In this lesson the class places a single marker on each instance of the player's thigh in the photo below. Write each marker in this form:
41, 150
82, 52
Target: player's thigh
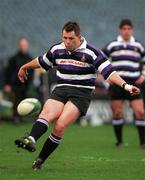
69, 115
117, 108
138, 107
52, 109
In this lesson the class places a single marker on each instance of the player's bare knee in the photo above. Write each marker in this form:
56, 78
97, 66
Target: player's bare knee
117, 113
140, 113
59, 129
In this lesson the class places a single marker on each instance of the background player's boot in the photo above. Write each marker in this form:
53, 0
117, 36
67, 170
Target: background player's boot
37, 164
119, 144
142, 146
25, 143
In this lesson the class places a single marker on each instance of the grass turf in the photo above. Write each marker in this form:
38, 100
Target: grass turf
85, 153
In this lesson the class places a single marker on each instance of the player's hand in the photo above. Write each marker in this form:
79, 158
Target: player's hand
133, 90
140, 80
22, 75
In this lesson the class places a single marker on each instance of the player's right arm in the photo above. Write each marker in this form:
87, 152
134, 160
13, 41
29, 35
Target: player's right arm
45, 62
22, 73
106, 50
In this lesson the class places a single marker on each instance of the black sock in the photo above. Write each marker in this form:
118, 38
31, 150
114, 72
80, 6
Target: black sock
118, 127
49, 146
140, 124
39, 128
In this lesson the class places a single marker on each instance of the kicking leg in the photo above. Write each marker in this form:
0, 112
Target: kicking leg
51, 111
68, 116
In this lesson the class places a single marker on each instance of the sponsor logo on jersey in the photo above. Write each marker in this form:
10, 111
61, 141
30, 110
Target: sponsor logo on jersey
72, 62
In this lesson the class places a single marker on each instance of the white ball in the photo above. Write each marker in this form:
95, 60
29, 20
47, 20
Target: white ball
29, 107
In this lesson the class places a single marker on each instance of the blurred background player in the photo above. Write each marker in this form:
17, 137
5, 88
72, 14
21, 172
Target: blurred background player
76, 63
13, 86
126, 54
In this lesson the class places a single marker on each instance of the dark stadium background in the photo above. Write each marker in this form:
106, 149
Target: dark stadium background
86, 153
41, 20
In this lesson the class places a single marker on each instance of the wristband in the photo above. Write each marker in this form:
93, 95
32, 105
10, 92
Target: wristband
123, 85
128, 87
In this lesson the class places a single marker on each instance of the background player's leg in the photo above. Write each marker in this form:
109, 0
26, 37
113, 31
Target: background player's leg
138, 108
69, 115
117, 109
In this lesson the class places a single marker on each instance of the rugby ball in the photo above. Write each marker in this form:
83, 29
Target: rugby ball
29, 107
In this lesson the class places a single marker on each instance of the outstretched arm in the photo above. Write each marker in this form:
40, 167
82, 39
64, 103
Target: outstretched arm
116, 79
22, 73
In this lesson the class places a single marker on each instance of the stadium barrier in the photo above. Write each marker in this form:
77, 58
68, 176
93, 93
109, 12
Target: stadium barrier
100, 112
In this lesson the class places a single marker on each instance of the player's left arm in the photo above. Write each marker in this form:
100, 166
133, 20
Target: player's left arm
116, 79
105, 68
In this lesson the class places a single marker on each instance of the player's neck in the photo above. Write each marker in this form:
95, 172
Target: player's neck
126, 39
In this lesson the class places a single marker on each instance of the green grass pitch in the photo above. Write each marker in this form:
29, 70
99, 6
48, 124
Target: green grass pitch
86, 153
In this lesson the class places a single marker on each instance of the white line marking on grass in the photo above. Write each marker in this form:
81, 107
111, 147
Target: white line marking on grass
104, 159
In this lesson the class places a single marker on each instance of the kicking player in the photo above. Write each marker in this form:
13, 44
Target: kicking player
76, 63
126, 54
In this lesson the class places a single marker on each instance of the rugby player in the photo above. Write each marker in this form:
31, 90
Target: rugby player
126, 54
76, 62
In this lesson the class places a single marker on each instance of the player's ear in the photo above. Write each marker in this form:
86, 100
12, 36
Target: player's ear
79, 36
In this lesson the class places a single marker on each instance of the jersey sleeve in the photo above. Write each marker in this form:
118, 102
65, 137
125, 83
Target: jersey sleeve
143, 56
47, 60
106, 50
143, 51
103, 65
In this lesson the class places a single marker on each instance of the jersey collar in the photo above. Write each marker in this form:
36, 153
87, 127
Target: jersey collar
82, 46
120, 39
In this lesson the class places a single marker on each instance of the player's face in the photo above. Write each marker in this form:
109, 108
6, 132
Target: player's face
23, 45
126, 32
71, 40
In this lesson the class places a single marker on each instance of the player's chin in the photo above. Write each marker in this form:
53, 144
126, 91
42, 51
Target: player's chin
69, 48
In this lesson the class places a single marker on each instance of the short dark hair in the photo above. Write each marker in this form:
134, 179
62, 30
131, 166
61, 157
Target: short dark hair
125, 22
72, 26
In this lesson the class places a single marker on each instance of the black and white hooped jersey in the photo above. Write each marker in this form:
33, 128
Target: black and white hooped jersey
126, 57
76, 68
